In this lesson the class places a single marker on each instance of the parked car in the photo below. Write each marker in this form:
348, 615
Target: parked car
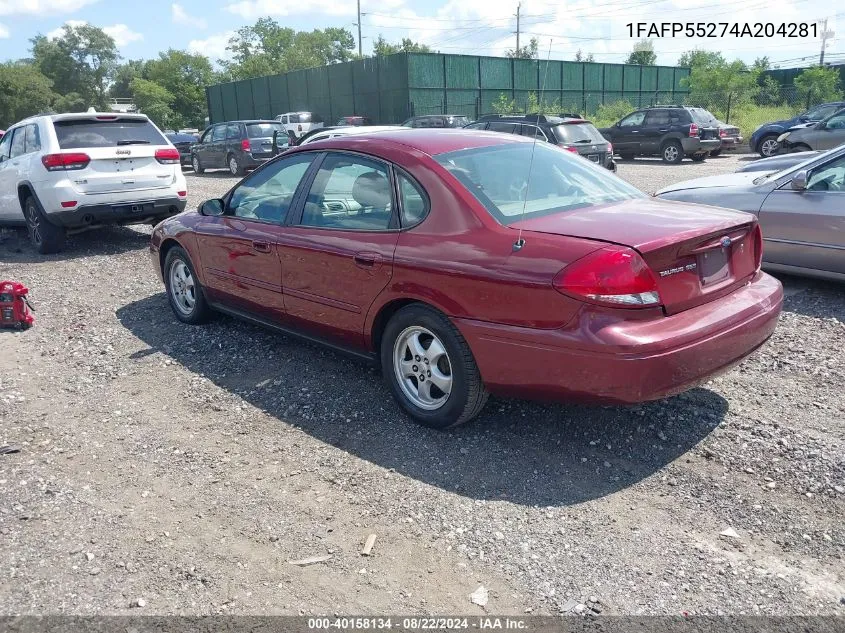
69, 172
469, 262
823, 135
764, 139
574, 135
354, 120
778, 162
236, 145
300, 122
437, 120
183, 142
321, 135
669, 131
801, 210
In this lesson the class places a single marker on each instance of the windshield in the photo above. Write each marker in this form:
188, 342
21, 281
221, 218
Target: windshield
264, 130
578, 133
499, 178
78, 133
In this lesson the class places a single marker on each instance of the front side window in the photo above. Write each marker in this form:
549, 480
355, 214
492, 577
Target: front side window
657, 117
821, 112
219, 133
350, 193
267, 194
633, 120
829, 177
502, 126
836, 122
558, 181
5, 144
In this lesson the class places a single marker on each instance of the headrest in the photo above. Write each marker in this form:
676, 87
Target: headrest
372, 189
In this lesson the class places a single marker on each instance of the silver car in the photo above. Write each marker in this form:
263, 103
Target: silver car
823, 135
801, 210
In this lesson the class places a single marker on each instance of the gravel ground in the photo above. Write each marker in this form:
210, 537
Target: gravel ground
174, 469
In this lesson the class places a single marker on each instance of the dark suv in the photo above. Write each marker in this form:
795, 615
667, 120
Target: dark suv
575, 135
668, 131
236, 145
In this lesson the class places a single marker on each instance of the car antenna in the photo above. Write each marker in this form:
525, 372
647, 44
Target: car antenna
517, 246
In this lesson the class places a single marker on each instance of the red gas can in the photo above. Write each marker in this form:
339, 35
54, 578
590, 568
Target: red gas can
15, 309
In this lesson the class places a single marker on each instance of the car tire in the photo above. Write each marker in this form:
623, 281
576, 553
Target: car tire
716, 152
698, 158
799, 147
768, 145
418, 327
184, 292
672, 152
196, 165
234, 166
46, 237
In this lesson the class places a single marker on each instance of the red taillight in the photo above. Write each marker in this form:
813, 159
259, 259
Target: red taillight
758, 247
614, 275
245, 144
65, 162
167, 156
610, 148
570, 148
693, 129
68, 204
182, 194
722, 133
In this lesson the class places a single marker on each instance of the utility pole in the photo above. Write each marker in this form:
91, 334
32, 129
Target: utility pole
518, 6
825, 35
360, 54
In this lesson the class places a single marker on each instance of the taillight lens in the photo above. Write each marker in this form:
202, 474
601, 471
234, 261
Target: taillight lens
570, 148
65, 162
723, 133
758, 247
167, 156
614, 275
610, 148
693, 130
245, 144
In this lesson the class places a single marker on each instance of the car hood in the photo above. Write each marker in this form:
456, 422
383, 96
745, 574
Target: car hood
740, 179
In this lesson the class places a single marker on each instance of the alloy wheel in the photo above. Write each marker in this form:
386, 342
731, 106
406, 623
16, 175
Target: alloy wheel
769, 147
33, 222
670, 153
233, 166
422, 368
182, 287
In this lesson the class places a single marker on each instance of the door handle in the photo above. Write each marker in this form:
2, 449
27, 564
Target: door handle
367, 260
635, 131
664, 130
261, 247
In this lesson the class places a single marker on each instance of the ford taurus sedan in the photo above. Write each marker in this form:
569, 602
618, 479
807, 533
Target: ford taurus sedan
468, 263
801, 210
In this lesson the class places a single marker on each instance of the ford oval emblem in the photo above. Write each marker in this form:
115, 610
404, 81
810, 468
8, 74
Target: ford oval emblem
726, 241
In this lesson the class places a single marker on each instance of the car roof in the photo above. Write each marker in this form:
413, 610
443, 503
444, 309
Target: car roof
431, 141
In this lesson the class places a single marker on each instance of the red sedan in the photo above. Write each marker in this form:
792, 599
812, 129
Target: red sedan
469, 263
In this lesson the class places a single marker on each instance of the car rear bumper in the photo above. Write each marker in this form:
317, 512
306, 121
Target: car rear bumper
731, 142
135, 212
607, 358
698, 146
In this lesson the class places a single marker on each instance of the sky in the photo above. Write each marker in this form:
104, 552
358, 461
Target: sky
475, 27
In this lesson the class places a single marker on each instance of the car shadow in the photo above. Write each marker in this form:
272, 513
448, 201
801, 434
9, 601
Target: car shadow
110, 240
527, 453
812, 297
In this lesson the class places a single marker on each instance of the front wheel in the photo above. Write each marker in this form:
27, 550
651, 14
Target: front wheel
769, 146
430, 368
47, 238
716, 152
184, 292
196, 165
672, 153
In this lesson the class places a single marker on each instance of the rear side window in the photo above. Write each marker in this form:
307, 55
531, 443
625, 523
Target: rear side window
657, 117
233, 131
477, 126
33, 139
76, 133
18, 143
414, 203
263, 130
578, 133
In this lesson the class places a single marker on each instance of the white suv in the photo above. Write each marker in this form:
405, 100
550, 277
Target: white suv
300, 122
64, 173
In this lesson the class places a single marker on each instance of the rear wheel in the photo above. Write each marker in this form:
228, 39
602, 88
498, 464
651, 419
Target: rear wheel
430, 368
716, 152
672, 152
769, 145
698, 158
47, 238
234, 166
184, 291
196, 165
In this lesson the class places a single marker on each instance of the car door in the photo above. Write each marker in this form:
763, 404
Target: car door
200, 149
655, 125
217, 148
238, 250
338, 255
807, 228
10, 208
827, 134
626, 133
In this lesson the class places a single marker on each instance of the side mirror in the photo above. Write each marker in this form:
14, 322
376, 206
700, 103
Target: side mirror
212, 208
799, 181
803, 118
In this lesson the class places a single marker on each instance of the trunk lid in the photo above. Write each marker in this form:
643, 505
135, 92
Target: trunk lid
696, 253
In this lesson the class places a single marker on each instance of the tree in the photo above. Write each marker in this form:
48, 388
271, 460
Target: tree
267, 48
156, 102
24, 91
382, 47
82, 60
184, 75
715, 82
505, 105
580, 57
643, 54
529, 51
700, 59
123, 76
818, 84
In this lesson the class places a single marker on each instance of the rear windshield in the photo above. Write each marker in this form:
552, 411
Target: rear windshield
511, 185
702, 116
264, 130
306, 117
75, 134
578, 133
